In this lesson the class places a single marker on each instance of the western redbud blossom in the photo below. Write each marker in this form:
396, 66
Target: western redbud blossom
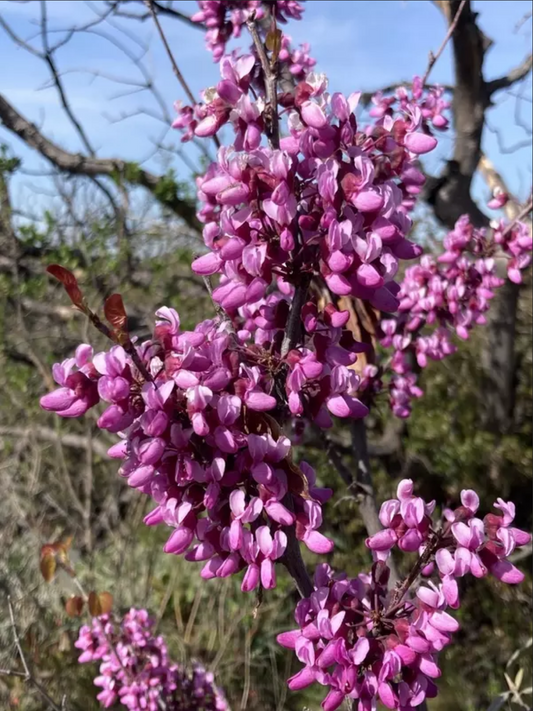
198, 440
370, 644
224, 19
331, 199
499, 199
136, 672
451, 294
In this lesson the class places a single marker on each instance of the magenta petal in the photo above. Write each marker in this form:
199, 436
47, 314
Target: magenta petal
360, 651
179, 540
318, 543
382, 541
236, 297
279, 513
141, 475
387, 696
339, 284
429, 667
259, 401
304, 678
207, 264
338, 406
313, 115
507, 572
444, 622
288, 639
368, 276
229, 566
420, 142
368, 200
268, 574
207, 127
59, 399
251, 580
333, 700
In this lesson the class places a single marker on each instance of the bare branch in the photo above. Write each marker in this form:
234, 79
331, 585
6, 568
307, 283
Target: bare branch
151, 6
27, 676
514, 76
433, 58
171, 12
77, 164
46, 434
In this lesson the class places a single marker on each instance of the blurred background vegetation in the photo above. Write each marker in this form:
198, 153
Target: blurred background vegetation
56, 481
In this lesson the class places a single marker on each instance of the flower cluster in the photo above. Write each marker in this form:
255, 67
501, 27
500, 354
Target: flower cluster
431, 103
197, 438
478, 546
328, 200
365, 642
450, 293
136, 672
516, 241
224, 19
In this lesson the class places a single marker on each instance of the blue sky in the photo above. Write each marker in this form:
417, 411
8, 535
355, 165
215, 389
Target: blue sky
358, 44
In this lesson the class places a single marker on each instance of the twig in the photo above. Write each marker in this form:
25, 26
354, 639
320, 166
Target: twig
176, 69
367, 500
27, 675
523, 213
171, 12
433, 58
48, 58
271, 80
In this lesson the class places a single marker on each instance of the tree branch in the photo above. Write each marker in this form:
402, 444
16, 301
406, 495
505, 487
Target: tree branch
433, 58
90, 166
47, 434
515, 75
27, 675
171, 12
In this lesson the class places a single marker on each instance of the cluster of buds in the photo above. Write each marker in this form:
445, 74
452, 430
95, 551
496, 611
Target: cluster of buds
135, 669
369, 643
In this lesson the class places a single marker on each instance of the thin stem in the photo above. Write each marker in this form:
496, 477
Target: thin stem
433, 58
367, 498
27, 675
271, 80
423, 560
175, 67
523, 213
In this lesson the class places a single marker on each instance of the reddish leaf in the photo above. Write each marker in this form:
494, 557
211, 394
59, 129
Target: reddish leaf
106, 602
115, 313
48, 563
95, 606
70, 283
74, 606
